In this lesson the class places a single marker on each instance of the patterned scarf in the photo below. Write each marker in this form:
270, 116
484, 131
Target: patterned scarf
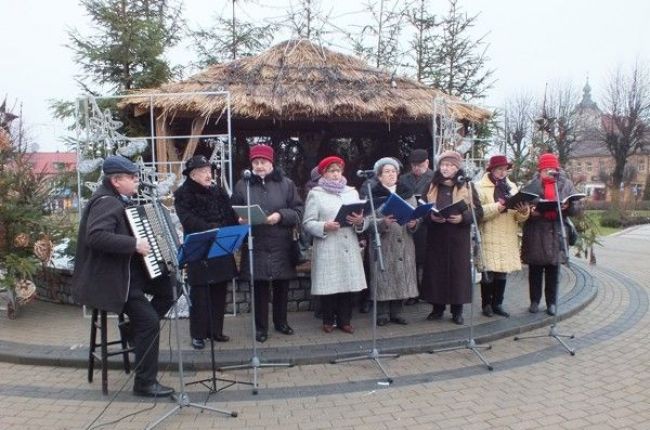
334, 187
501, 189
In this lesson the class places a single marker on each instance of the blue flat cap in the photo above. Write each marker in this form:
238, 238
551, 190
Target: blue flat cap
119, 164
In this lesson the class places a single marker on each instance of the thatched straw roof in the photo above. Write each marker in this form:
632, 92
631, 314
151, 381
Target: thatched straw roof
300, 80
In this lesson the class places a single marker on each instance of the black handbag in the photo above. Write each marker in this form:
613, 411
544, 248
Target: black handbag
299, 250
571, 231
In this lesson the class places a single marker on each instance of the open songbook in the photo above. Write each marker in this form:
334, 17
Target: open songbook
402, 210
359, 206
543, 205
453, 209
258, 216
520, 197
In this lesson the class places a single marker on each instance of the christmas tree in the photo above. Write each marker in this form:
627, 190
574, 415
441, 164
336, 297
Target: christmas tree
26, 231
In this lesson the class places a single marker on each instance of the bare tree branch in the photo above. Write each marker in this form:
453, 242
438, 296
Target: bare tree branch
625, 124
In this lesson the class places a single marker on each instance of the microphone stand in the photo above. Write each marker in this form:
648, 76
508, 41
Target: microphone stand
553, 330
255, 361
373, 354
470, 343
182, 398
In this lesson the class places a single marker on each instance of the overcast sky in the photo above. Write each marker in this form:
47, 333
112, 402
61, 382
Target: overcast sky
531, 42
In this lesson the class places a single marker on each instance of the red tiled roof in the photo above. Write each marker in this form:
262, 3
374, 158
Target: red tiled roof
49, 163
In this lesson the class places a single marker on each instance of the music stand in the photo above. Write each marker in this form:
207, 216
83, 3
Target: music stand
182, 398
203, 246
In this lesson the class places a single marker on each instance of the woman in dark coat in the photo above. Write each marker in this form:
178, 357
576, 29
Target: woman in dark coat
542, 247
272, 242
202, 206
447, 276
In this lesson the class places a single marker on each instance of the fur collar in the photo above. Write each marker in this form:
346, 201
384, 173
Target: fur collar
402, 190
275, 176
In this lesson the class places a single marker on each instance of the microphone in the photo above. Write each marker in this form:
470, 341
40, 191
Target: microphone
365, 173
461, 179
246, 174
553, 173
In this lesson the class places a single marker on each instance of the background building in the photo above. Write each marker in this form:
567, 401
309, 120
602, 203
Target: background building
591, 164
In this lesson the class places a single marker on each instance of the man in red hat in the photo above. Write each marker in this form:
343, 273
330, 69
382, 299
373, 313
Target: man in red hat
499, 233
272, 252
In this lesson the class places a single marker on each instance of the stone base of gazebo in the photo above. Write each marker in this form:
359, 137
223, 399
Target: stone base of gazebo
55, 285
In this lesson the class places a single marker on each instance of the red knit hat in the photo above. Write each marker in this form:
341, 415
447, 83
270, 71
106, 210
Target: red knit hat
332, 159
548, 161
497, 161
261, 151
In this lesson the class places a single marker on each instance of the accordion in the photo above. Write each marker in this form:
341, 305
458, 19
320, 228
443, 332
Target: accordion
145, 224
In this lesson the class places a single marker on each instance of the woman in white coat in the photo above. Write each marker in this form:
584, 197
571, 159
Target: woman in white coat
336, 265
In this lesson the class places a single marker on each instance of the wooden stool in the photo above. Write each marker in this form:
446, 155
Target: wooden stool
104, 344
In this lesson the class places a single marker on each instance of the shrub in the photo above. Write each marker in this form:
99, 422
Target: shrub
635, 220
611, 218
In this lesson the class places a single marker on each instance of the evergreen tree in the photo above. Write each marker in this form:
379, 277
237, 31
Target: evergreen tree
459, 62
307, 20
379, 42
424, 39
230, 38
127, 49
26, 233
124, 52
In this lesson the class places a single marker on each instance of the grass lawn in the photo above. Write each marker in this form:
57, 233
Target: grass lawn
606, 231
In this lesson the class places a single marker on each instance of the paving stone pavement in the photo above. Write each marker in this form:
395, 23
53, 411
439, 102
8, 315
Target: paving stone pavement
535, 382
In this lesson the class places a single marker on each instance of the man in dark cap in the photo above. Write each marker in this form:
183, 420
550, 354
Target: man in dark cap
110, 275
418, 179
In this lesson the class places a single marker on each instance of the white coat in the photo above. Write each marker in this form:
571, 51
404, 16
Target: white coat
336, 264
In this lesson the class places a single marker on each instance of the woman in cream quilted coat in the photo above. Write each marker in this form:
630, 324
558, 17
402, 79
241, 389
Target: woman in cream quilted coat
499, 233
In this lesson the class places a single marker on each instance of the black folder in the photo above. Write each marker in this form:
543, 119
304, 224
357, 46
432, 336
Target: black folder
453, 209
355, 207
520, 197
543, 205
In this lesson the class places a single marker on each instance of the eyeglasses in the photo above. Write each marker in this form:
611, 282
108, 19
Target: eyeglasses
334, 170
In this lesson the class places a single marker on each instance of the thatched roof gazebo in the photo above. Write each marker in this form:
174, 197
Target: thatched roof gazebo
297, 88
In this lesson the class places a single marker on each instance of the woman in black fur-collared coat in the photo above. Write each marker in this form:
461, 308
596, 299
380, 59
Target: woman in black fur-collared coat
272, 257
202, 206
